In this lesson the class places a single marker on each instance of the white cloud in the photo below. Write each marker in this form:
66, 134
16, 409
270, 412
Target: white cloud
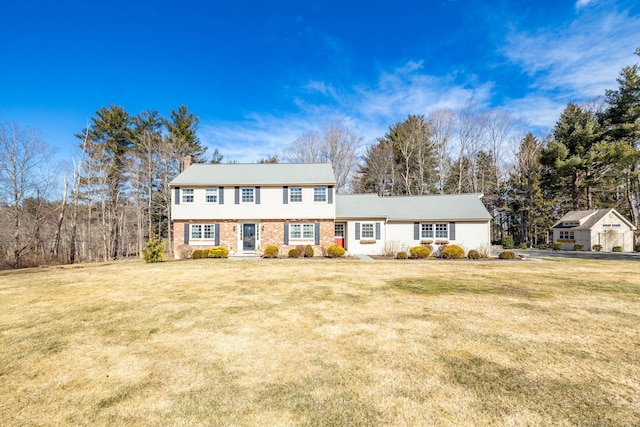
584, 3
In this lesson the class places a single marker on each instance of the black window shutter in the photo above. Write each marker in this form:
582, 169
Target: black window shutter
177, 196
186, 234
317, 234
330, 195
221, 195
217, 232
416, 231
237, 191
377, 231
452, 231
357, 231
286, 233
285, 195
257, 195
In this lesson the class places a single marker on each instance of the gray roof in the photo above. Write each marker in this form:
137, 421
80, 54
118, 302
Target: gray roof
256, 174
590, 218
446, 207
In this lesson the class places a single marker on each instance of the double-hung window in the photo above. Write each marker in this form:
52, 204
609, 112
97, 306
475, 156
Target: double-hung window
301, 232
295, 195
187, 195
203, 232
209, 232
196, 231
320, 195
247, 195
211, 195
442, 231
426, 231
567, 235
367, 231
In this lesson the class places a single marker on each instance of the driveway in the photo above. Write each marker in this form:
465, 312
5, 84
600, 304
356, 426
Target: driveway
611, 256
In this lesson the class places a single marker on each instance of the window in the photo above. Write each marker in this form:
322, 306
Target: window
187, 195
203, 231
566, 235
426, 231
339, 231
320, 195
367, 231
211, 195
442, 231
295, 195
247, 195
302, 232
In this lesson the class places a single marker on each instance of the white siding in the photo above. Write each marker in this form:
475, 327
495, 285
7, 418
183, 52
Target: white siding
271, 206
354, 246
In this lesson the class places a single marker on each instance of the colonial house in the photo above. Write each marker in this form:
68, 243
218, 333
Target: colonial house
245, 207
603, 227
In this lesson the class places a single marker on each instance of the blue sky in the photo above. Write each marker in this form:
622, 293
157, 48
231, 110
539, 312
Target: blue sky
259, 74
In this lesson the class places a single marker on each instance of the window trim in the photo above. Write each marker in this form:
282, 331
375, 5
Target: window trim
202, 231
423, 229
215, 195
187, 193
436, 230
335, 230
298, 191
364, 225
302, 227
323, 191
566, 235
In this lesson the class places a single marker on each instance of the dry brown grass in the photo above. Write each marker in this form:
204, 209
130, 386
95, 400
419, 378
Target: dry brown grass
321, 342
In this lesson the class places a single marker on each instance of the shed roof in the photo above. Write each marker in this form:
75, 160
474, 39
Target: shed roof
256, 174
445, 207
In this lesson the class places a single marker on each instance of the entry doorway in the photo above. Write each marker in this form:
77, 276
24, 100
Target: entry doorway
248, 237
339, 233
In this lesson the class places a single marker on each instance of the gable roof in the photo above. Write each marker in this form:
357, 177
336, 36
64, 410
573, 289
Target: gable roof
256, 174
588, 219
441, 207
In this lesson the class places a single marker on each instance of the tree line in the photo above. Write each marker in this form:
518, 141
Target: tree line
117, 196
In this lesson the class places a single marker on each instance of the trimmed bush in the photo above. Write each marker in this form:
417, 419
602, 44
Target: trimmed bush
402, 255
308, 251
294, 253
507, 255
335, 251
218, 252
197, 254
596, 248
419, 252
543, 246
556, 246
271, 251
616, 249
507, 242
453, 252
473, 254
153, 250
522, 246
636, 247
578, 248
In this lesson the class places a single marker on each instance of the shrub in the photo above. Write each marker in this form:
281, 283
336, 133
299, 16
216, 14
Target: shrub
507, 255
271, 251
522, 246
543, 246
578, 248
636, 247
473, 254
218, 252
596, 248
308, 251
507, 242
294, 253
453, 252
402, 255
616, 249
183, 251
556, 246
153, 250
484, 251
335, 251
391, 247
197, 254
419, 252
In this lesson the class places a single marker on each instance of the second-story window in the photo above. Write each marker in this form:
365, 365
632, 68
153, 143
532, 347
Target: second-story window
247, 195
320, 195
295, 195
187, 195
211, 195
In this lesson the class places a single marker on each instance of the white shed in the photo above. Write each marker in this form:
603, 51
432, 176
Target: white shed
604, 227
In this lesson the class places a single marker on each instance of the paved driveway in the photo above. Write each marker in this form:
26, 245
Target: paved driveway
619, 256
